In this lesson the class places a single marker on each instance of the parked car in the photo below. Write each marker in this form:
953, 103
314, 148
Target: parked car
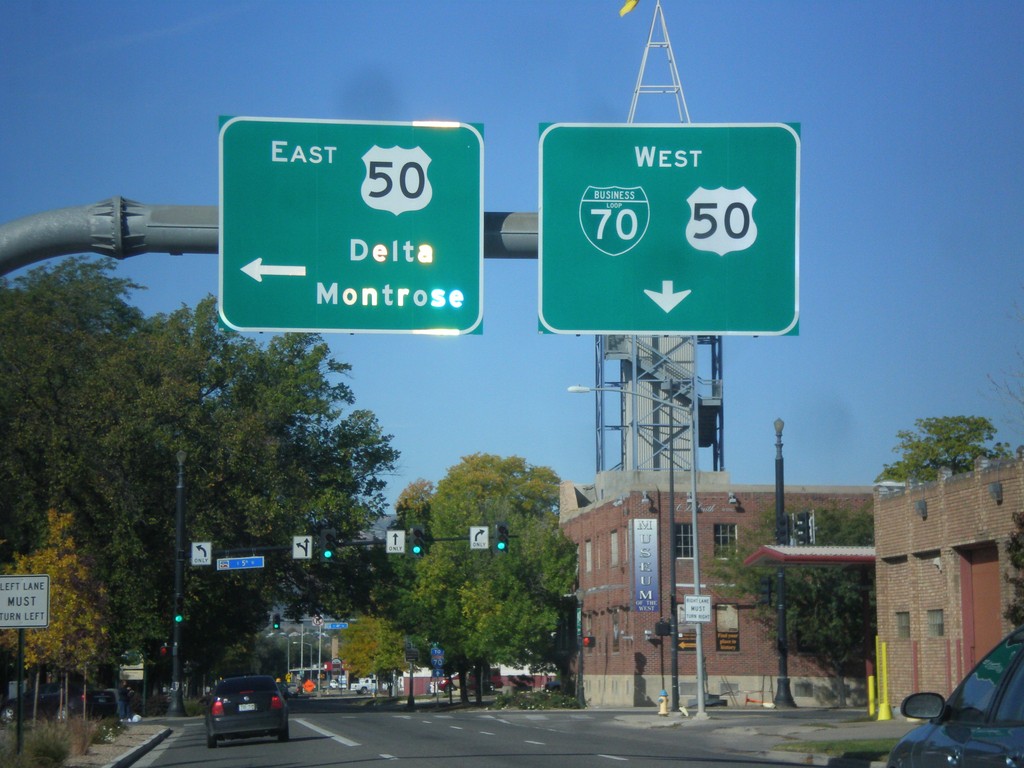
244, 707
98, 702
446, 684
980, 724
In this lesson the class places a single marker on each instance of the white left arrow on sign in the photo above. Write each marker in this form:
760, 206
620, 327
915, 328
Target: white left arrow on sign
256, 269
667, 298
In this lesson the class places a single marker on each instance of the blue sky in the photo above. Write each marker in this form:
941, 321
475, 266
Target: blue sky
912, 180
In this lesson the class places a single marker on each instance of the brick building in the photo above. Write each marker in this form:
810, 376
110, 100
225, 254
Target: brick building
620, 526
941, 572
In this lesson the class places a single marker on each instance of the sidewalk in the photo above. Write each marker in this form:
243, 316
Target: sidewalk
135, 741
758, 732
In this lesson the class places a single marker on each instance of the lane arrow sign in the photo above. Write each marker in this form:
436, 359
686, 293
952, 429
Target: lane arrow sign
667, 298
256, 269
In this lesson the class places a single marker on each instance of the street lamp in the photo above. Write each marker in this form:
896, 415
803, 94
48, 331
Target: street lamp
176, 706
783, 696
673, 616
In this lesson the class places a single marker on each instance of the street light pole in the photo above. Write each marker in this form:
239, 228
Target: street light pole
783, 696
176, 706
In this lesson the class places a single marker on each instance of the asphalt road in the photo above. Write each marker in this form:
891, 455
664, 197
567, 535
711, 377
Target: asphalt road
335, 733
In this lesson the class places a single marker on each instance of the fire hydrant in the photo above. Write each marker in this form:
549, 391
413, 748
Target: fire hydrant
663, 704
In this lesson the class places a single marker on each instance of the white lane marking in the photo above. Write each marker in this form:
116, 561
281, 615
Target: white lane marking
329, 734
538, 743
614, 757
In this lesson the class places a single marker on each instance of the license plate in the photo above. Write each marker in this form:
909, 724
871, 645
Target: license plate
247, 707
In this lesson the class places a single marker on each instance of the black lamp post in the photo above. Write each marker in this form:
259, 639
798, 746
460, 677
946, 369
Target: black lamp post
783, 696
176, 706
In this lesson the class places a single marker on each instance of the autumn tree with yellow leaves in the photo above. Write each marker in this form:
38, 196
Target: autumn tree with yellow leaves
76, 639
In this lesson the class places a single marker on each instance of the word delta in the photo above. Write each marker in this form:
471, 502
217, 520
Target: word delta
358, 250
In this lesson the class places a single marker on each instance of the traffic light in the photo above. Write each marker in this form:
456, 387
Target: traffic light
589, 641
419, 541
165, 651
766, 591
277, 621
501, 536
328, 541
782, 530
179, 609
802, 528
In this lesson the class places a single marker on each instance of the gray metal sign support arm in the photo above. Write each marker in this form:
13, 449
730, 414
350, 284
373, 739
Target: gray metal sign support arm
121, 228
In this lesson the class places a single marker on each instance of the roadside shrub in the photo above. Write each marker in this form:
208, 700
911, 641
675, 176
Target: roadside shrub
80, 734
107, 730
534, 700
195, 707
47, 745
156, 705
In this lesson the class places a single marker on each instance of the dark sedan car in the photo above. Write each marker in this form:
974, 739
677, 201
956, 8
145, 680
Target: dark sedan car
980, 724
242, 707
56, 701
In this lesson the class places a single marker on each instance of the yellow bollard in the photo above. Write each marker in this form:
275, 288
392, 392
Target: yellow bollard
884, 710
871, 695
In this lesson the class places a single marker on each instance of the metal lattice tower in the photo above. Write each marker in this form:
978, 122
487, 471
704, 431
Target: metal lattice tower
675, 88
661, 367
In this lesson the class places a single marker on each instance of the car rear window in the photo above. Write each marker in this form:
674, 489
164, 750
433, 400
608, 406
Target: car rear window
239, 684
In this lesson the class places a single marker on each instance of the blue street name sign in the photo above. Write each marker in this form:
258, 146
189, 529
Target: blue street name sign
336, 625
239, 563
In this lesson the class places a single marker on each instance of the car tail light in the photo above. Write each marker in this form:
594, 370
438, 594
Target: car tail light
217, 708
275, 702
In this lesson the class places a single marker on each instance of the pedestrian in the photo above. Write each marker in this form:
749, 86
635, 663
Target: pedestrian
124, 702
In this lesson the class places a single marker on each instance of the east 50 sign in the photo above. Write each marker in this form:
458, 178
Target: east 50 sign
674, 229
351, 226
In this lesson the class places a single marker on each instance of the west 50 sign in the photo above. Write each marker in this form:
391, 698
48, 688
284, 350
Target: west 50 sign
674, 229
351, 226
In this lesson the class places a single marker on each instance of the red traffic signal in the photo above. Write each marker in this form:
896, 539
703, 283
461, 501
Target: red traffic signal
589, 641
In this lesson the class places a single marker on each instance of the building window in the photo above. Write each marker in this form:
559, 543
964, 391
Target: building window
725, 539
684, 540
615, 548
903, 624
615, 632
588, 558
936, 623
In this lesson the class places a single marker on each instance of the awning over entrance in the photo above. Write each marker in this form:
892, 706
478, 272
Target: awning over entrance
805, 557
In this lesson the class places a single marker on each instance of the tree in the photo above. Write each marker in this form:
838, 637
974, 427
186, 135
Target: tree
372, 646
830, 610
486, 607
95, 402
950, 442
76, 638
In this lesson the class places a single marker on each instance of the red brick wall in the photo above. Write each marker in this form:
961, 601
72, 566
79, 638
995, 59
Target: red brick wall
924, 563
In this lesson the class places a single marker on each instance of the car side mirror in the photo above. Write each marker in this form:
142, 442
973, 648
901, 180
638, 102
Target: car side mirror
923, 706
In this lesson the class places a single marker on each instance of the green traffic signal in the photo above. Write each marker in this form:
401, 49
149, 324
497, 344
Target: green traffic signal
419, 541
328, 540
179, 609
501, 537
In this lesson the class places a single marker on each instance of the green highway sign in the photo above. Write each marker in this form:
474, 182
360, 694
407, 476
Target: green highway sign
669, 229
329, 225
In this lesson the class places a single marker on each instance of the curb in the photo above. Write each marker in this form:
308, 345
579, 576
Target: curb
136, 752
